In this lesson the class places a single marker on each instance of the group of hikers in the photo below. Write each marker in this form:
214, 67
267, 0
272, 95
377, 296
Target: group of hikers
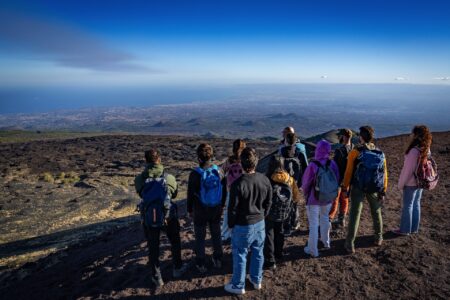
259, 210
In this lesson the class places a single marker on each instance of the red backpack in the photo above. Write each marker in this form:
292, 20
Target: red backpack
426, 173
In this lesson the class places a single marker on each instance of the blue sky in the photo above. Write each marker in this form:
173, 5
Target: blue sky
159, 43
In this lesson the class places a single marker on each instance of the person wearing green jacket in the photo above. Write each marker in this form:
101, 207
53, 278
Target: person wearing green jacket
155, 170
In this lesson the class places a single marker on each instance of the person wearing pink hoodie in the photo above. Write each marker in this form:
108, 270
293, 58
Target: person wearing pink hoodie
318, 210
418, 149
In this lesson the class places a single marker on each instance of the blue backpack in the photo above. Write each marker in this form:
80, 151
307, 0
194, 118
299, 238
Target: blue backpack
211, 187
369, 174
326, 185
154, 195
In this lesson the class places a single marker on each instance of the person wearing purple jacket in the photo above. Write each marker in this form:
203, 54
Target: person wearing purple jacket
318, 211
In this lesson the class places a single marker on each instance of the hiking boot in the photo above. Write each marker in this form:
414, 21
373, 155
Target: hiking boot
201, 269
287, 232
378, 242
271, 266
158, 282
217, 263
230, 288
256, 286
341, 221
178, 272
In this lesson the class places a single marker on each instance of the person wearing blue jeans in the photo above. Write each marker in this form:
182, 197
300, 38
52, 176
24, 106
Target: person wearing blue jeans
417, 150
244, 238
410, 219
250, 201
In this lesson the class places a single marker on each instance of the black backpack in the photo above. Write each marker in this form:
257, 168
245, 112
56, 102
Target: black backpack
293, 166
281, 202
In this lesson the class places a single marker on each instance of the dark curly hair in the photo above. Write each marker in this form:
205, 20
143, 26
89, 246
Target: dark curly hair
152, 156
422, 139
204, 153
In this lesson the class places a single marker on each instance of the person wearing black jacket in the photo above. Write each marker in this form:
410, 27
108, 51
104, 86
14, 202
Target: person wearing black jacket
340, 157
250, 201
203, 215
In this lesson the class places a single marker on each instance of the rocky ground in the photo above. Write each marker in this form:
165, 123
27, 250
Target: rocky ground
79, 238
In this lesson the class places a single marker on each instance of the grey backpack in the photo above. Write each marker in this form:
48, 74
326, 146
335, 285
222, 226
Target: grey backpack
326, 185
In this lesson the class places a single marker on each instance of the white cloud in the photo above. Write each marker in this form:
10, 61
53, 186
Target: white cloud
324, 76
400, 78
442, 78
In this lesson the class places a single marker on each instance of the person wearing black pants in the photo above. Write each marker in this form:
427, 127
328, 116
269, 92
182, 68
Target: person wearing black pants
273, 248
171, 225
205, 216
172, 230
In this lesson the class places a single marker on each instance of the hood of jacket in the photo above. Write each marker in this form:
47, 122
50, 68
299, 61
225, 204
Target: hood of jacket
281, 177
155, 170
323, 150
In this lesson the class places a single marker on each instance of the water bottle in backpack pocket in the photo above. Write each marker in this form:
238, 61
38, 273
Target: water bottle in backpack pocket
370, 171
281, 202
154, 194
326, 185
210, 186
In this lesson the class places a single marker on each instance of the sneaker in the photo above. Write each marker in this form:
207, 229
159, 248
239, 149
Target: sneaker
256, 286
158, 282
349, 249
398, 232
177, 273
378, 242
201, 269
230, 288
217, 263
308, 252
297, 226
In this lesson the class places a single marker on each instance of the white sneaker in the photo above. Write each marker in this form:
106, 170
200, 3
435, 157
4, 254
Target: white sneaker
233, 290
256, 286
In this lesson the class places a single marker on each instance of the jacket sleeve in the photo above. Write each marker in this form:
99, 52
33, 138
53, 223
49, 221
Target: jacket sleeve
193, 190
385, 176
172, 186
268, 201
139, 181
307, 181
232, 205
224, 190
295, 191
409, 167
350, 168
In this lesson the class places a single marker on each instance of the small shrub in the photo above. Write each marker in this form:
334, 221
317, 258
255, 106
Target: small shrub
47, 177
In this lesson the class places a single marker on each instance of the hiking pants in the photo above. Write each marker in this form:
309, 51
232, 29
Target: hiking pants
342, 202
209, 217
225, 230
356, 204
318, 218
273, 245
152, 235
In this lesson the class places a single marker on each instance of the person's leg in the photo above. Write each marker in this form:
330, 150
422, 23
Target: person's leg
269, 246
325, 225
173, 234
375, 210
343, 206
225, 231
153, 238
416, 211
407, 209
334, 207
257, 257
278, 237
240, 244
356, 204
214, 229
313, 220
200, 234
